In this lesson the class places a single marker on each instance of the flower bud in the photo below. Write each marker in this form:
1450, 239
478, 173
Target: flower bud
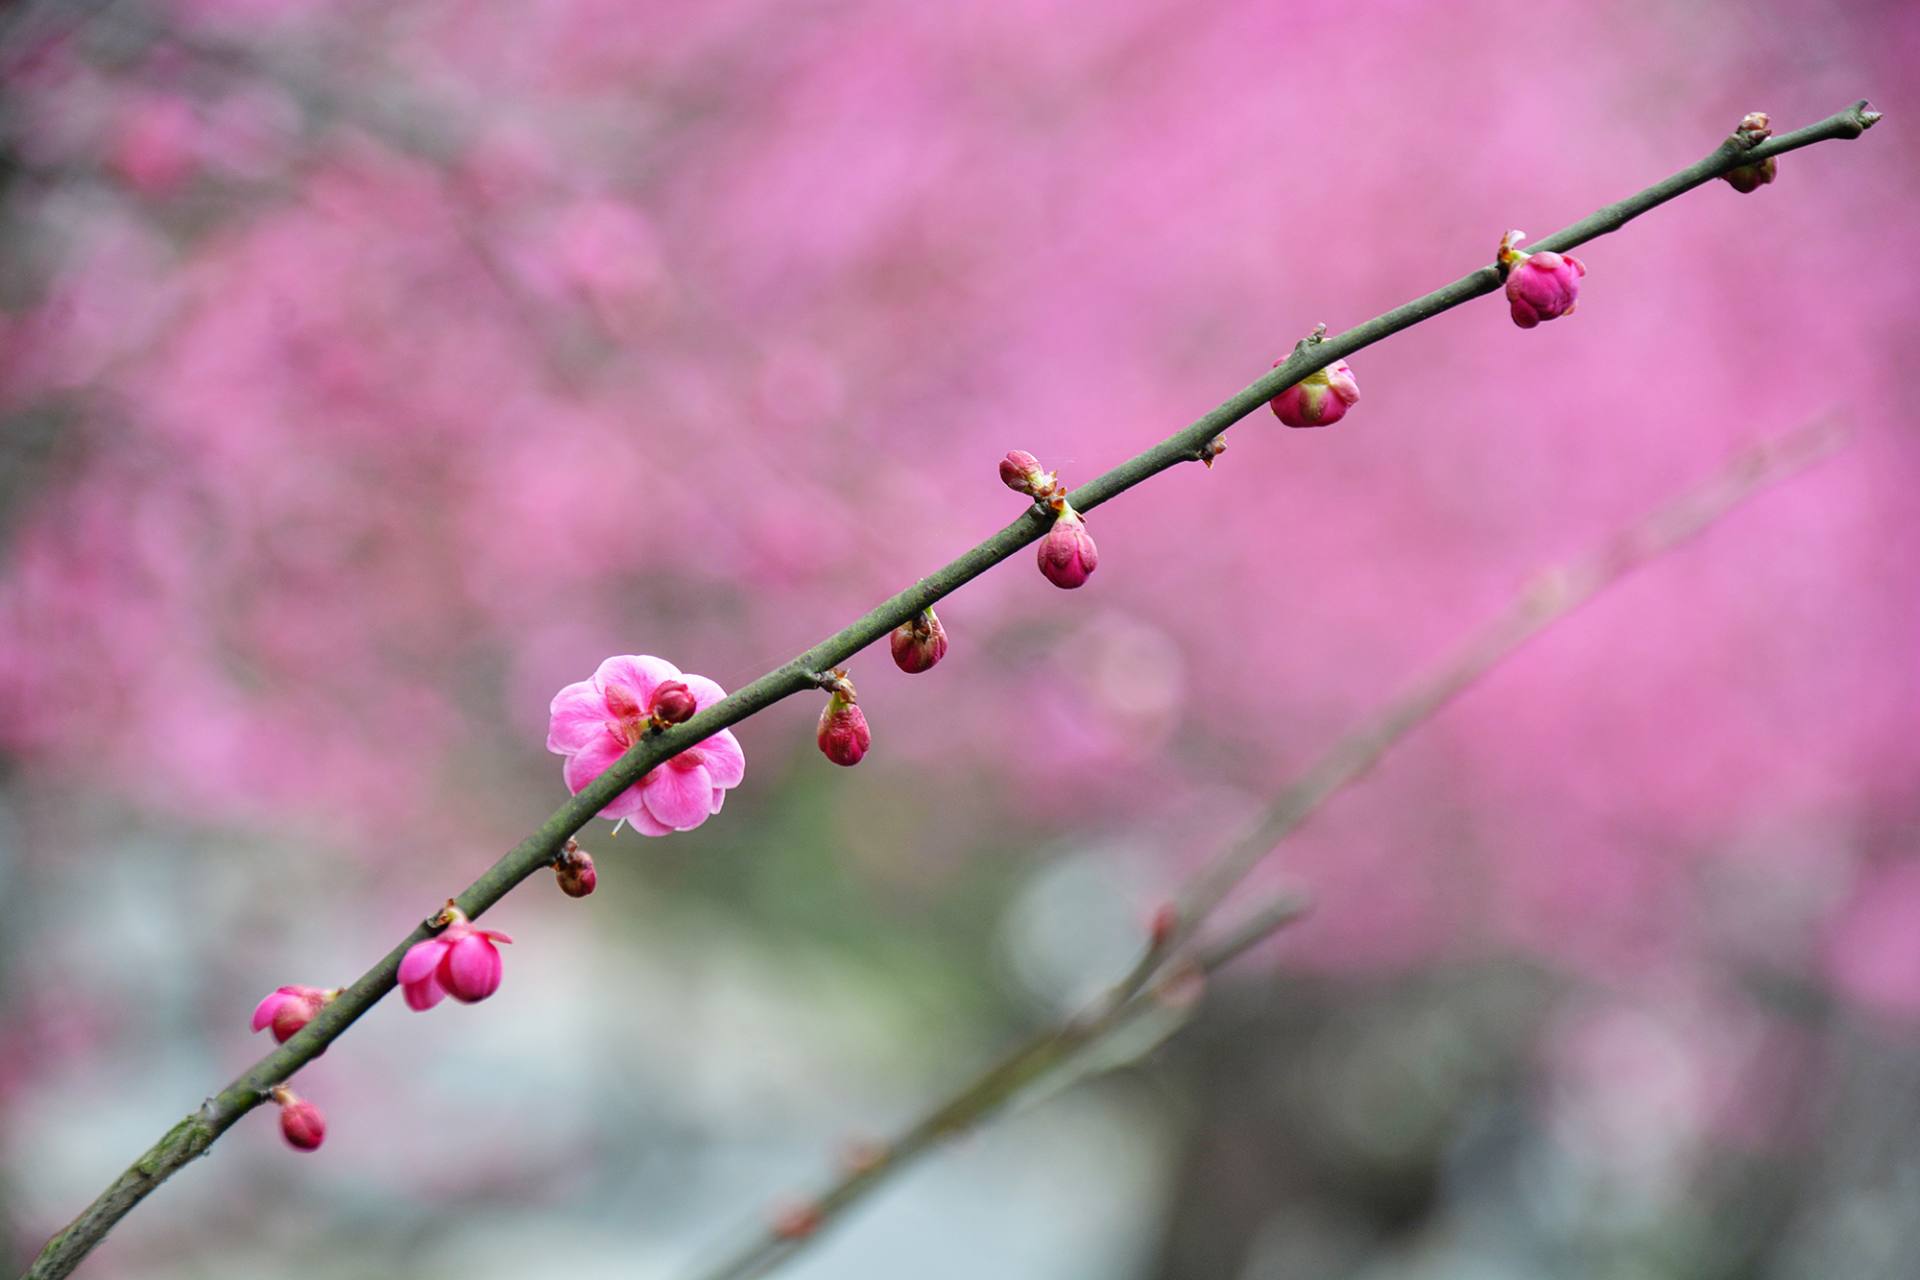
843, 734
461, 961
1755, 128
1067, 554
672, 703
1540, 286
288, 1009
574, 870
797, 1221
1749, 178
1021, 472
1320, 399
919, 642
301, 1123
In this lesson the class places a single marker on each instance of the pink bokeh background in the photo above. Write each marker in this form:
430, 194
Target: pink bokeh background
374, 371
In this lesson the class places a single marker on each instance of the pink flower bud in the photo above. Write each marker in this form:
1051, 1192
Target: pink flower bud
288, 1009
461, 962
673, 703
301, 1123
1067, 554
1540, 286
843, 734
1021, 472
919, 643
574, 870
1320, 399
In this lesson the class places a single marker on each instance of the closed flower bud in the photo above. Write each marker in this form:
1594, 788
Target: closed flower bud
1067, 554
301, 1123
919, 643
1755, 128
672, 703
574, 870
1320, 399
843, 734
1749, 178
1540, 286
288, 1009
1021, 472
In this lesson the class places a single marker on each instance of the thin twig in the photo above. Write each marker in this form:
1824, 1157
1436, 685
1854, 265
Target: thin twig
1551, 596
192, 1136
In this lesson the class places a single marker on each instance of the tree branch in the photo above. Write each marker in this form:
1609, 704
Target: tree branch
192, 1136
1551, 596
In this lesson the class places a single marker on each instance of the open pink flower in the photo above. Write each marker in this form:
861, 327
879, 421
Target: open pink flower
595, 721
461, 961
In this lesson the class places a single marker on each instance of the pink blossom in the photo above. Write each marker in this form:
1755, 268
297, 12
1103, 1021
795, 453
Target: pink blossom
302, 1124
919, 642
1540, 286
288, 1009
1320, 399
1067, 554
461, 961
595, 721
843, 734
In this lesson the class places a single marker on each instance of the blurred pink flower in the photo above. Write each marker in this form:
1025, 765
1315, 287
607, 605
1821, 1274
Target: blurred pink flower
288, 1009
1320, 399
461, 962
595, 721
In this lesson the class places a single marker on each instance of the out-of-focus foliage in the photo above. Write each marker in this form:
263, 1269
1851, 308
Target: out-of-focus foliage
372, 371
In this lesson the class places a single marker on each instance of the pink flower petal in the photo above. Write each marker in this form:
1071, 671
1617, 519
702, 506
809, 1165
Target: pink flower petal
264, 1011
421, 960
642, 821
424, 994
496, 934
591, 761
719, 798
726, 763
471, 970
637, 673
578, 716
681, 798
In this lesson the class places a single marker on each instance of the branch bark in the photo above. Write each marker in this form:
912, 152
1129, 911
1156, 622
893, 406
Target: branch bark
196, 1133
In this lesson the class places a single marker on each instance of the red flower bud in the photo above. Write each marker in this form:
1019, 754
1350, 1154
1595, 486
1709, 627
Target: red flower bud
1067, 554
919, 643
672, 703
843, 735
574, 870
301, 1123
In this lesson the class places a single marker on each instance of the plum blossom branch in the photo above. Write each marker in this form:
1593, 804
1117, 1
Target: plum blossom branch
1173, 958
193, 1135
